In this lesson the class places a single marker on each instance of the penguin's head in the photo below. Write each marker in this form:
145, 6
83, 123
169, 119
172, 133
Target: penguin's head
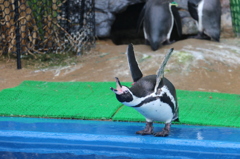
123, 93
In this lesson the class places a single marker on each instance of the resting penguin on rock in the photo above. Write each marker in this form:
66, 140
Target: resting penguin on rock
207, 14
161, 22
153, 96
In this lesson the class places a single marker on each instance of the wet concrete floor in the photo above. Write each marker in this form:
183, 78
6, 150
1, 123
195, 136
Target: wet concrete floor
197, 65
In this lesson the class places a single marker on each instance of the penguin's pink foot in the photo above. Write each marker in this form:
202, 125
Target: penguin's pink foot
165, 132
148, 129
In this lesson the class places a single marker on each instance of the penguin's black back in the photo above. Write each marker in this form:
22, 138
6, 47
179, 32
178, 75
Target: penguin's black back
146, 85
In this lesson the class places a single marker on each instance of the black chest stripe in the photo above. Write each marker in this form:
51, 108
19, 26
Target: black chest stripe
147, 100
164, 99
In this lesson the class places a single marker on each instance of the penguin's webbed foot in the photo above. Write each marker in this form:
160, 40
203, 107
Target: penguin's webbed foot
148, 129
165, 132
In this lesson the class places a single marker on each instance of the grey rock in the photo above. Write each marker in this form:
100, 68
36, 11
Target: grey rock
103, 30
188, 23
116, 6
189, 26
103, 23
184, 13
101, 5
101, 17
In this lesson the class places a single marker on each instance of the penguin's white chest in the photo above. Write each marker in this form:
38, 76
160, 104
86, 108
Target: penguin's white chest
156, 111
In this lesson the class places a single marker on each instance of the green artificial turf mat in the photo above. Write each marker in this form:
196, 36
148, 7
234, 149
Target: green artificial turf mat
94, 100
82, 100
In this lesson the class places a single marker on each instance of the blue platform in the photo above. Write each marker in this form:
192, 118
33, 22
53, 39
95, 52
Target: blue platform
108, 139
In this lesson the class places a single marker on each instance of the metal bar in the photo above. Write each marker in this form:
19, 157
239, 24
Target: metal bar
82, 12
18, 36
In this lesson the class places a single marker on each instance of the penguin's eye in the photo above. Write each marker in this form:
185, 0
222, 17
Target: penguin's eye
125, 92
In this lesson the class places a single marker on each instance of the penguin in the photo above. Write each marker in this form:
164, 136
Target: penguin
207, 14
153, 96
161, 23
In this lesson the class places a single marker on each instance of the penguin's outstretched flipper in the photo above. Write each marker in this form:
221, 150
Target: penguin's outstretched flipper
133, 65
193, 8
160, 72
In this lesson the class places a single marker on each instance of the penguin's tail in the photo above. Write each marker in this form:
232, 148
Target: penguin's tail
176, 120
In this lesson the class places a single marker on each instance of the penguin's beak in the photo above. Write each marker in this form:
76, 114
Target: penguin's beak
119, 86
118, 90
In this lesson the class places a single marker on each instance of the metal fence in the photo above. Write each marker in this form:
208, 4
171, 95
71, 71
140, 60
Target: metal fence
30, 27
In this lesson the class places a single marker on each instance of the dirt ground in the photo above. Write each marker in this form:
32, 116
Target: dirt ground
195, 65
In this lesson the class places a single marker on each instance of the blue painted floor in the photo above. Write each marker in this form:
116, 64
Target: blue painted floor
106, 139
